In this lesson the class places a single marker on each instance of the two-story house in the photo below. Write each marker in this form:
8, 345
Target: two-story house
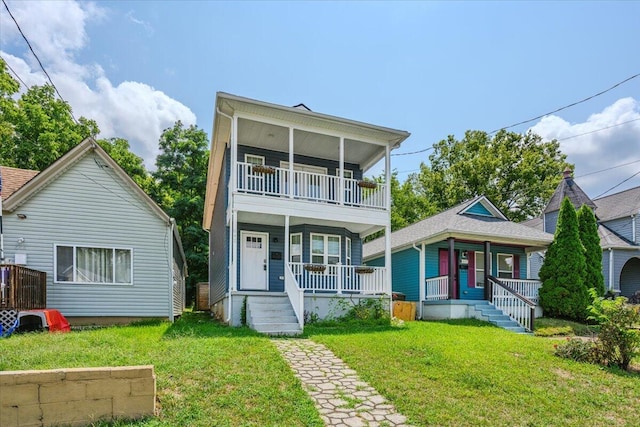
618, 227
287, 208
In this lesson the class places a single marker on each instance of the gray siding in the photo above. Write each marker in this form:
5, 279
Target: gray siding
273, 158
535, 263
219, 240
91, 206
622, 227
630, 276
277, 242
551, 221
620, 259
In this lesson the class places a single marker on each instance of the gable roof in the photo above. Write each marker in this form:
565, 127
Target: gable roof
458, 223
14, 178
25, 189
568, 188
619, 205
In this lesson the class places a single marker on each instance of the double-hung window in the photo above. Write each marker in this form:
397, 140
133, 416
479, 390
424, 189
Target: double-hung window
479, 268
295, 247
505, 266
325, 249
83, 264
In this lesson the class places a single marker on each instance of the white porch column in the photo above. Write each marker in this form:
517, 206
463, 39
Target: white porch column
234, 250
423, 276
387, 230
234, 154
286, 243
387, 264
611, 272
387, 178
291, 178
341, 179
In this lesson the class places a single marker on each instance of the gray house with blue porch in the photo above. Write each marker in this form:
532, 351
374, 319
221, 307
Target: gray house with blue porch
287, 208
453, 264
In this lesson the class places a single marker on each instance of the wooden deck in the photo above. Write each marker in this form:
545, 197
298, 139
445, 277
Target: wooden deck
22, 288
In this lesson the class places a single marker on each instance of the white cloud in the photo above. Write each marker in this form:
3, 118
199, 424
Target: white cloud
56, 30
146, 25
606, 139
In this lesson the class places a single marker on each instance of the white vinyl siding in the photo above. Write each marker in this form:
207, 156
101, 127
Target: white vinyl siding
88, 204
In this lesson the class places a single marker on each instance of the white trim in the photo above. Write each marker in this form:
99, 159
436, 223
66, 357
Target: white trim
348, 251
498, 271
325, 255
74, 264
170, 249
486, 203
291, 235
265, 236
247, 155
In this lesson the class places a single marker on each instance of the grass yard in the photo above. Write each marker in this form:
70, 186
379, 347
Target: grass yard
437, 373
207, 374
468, 373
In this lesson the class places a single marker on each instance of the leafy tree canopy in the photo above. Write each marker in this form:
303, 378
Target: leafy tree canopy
517, 172
181, 178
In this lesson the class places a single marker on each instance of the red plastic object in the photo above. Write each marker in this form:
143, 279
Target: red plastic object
51, 319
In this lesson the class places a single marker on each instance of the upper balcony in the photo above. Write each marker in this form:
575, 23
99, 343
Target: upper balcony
276, 181
293, 155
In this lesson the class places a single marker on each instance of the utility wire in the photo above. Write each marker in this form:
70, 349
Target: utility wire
598, 130
566, 106
413, 152
617, 185
15, 74
608, 169
37, 59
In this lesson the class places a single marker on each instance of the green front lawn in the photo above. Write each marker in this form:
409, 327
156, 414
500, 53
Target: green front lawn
470, 373
436, 373
207, 374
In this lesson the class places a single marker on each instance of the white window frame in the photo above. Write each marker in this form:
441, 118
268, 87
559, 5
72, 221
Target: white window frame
480, 267
502, 255
291, 255
74, 264
246, 159
347, 249
325, 255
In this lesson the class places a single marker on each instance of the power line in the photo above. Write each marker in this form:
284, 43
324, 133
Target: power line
608, 169
598, 130
413, 152
567, 106
37, 59
618, 184
15, 74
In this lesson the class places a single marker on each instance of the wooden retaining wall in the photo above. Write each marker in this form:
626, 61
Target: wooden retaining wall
76, 397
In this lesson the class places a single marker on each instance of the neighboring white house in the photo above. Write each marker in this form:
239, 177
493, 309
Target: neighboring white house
110, 253
287, 209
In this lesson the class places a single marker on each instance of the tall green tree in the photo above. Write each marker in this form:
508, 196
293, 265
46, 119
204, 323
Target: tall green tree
588, 227
120, 151
37, 128
563, 292
517, 172
181, 176
407, 206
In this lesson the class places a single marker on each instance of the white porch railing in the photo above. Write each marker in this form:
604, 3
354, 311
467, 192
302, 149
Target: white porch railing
437, 288
340, 278
525, 287
519, 308
274, 181
296, 295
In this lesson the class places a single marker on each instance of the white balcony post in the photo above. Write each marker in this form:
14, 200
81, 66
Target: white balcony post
341, 188
234, 250
291, 148
234, 154
387, 179
339, 278
286, 241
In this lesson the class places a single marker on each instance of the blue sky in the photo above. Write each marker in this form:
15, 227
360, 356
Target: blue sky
431, 68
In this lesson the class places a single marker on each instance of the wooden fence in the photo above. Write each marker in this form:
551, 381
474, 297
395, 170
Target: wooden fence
22, 288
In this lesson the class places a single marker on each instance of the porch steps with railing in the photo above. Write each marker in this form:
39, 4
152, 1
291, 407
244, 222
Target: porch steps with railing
272, 315
484, 310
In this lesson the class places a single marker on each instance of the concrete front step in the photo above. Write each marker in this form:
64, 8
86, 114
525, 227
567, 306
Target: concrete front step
272, 315
498, 317
278, 328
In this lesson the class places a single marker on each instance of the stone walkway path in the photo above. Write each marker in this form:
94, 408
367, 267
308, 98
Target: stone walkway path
342, 399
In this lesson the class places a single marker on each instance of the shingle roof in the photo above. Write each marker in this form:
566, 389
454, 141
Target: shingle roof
568, 188
622, 204
14, 178
608, 239
451, 223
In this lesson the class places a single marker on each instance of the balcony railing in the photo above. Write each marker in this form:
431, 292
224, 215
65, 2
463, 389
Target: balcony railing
527, 288
340, 278
273, 181
437, 288
22, 288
